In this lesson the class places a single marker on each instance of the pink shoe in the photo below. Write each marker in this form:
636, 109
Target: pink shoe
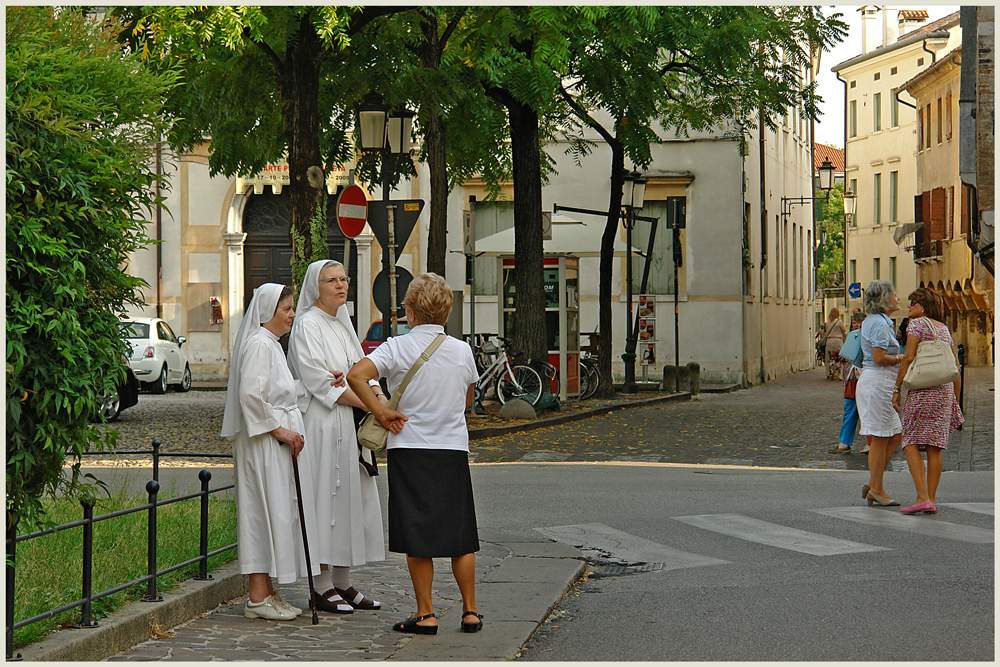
927, 507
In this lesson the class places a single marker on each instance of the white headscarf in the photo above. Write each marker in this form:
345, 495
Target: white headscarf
308, 295
260, 310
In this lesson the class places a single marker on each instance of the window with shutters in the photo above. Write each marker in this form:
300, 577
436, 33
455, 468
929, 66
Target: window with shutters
877, 269
893, 108
893, 197
877, 200
940, 121
854, 270
852, 118
877, 112
920, 130
892, 271
927, 126
937, 217
951, 213
966, 212
854, 189
947, 125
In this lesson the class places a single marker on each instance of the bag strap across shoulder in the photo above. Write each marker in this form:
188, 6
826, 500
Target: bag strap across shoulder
424, 356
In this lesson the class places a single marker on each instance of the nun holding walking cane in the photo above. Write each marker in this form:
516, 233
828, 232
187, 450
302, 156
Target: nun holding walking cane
263, 418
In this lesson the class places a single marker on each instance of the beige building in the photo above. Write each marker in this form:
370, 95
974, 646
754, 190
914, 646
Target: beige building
880, 128
941, 250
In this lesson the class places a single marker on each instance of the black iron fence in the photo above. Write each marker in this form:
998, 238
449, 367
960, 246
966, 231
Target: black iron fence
87, 598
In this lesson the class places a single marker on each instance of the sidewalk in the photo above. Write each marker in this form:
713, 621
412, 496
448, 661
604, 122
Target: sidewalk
521, 575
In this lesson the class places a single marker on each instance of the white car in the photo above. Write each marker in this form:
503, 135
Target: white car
157, 357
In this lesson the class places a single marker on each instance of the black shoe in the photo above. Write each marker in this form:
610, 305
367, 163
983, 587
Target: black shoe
472, 627
331, 602
410, 625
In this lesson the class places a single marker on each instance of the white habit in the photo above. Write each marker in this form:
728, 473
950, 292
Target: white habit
270, 538
345, 513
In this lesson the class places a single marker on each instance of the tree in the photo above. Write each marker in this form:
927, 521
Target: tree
518, 55
830, 254
82, 119
258, 81
684, 68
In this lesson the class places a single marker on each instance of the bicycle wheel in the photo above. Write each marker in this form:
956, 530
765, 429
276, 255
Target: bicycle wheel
584, 380
522, 382
593, 380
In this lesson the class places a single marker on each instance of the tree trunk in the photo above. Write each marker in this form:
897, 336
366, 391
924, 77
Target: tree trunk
529, 321
604, 356
434, 141
300, 88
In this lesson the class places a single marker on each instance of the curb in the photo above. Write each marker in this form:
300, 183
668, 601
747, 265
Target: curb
517, 597
138, 621
490, 431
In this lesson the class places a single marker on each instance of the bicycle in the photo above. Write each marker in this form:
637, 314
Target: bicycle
509, 382
590, 375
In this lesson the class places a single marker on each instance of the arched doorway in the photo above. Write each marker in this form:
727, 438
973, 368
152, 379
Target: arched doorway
267, 250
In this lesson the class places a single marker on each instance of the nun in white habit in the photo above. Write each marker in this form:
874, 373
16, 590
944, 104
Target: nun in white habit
262, 416
345, 510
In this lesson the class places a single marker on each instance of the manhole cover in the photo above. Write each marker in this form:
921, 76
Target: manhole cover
622, 569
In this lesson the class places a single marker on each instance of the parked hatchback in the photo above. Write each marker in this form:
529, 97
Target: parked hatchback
124, 396
157, 357
376, 334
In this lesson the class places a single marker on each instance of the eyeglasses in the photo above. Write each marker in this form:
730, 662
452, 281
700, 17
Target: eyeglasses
344, 280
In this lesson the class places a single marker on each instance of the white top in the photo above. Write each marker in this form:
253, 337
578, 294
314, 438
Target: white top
434, 401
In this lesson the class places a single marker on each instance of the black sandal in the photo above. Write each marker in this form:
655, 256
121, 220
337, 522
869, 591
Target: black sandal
357, 599
336, 605
410, 625
472, 627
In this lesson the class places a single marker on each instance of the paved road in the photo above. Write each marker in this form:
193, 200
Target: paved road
691, 563
791, 422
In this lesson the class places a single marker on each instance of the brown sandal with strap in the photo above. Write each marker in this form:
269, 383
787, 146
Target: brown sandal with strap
357, 599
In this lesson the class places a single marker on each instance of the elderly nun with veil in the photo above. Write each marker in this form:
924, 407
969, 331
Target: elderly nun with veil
263, 418
343, 507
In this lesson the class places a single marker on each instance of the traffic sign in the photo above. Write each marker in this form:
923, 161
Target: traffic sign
352, 210
854, 290
380, 291
407, 212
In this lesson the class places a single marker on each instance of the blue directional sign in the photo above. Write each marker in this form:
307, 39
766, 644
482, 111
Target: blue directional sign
854, 290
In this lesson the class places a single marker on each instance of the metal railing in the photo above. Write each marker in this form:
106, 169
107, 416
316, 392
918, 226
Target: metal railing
85, 601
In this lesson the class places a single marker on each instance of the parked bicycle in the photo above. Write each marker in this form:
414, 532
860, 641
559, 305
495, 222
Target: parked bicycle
590, 375
506, 380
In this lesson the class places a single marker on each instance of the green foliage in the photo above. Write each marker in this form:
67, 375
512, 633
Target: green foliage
82, 119
119, 556
830, 223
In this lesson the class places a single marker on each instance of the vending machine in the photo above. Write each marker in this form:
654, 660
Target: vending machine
562, 316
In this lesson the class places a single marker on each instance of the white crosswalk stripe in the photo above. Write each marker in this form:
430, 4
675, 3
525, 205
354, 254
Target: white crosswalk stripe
775, 535
923, 525
978, 508
607, 543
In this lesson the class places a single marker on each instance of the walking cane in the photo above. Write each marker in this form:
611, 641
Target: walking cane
305, 542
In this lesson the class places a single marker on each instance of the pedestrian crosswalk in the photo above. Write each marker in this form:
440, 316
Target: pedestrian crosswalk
604, 543
775, 535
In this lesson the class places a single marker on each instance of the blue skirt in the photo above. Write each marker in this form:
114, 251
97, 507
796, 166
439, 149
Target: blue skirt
431, 510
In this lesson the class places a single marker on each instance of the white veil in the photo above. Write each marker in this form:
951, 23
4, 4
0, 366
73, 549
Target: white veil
260, 310
308, 294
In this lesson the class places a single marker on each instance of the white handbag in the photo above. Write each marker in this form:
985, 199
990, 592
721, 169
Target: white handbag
933, 366
371, 434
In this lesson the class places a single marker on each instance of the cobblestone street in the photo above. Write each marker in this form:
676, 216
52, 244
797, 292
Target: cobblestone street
791, 422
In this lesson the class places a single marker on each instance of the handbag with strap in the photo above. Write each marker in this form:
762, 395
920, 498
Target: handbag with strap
371, 434
851, 351
933, 366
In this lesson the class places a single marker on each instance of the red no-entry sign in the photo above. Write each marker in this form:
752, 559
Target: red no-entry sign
352, 210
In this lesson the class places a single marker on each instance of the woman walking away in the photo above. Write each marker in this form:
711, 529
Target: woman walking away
342, 499
834, 336
849, 424
874, 395
262, 415
431, 508
931, 414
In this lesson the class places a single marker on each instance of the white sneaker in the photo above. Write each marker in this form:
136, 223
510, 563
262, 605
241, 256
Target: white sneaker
280, 603
267, 609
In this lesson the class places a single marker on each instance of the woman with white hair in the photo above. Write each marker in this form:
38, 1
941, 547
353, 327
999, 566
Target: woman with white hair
875, 387
341, 499
263, 417
432, 513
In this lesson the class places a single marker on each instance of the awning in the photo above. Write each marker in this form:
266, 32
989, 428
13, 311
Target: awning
569, 237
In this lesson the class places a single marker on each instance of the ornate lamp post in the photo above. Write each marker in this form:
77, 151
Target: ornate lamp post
632, 199
387, 133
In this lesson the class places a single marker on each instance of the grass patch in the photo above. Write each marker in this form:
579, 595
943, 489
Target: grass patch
49, 568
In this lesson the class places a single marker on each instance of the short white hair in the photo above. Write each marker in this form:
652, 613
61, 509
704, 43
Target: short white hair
877, 296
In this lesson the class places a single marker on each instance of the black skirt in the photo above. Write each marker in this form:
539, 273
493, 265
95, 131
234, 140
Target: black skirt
431, 510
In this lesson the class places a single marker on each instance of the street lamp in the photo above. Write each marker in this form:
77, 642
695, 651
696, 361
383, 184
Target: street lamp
850, 206
376, 125
826, 175
633, 193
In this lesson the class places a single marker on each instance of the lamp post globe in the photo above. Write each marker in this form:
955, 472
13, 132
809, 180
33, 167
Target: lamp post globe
372, 116
826, 175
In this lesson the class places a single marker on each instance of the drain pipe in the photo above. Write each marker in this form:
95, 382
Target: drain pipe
159, 222
847, 183
763, 236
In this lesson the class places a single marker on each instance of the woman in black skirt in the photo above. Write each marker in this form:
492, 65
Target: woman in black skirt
431, 509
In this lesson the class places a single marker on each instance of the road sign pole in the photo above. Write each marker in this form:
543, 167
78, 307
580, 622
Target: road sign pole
390, 218
347, 256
